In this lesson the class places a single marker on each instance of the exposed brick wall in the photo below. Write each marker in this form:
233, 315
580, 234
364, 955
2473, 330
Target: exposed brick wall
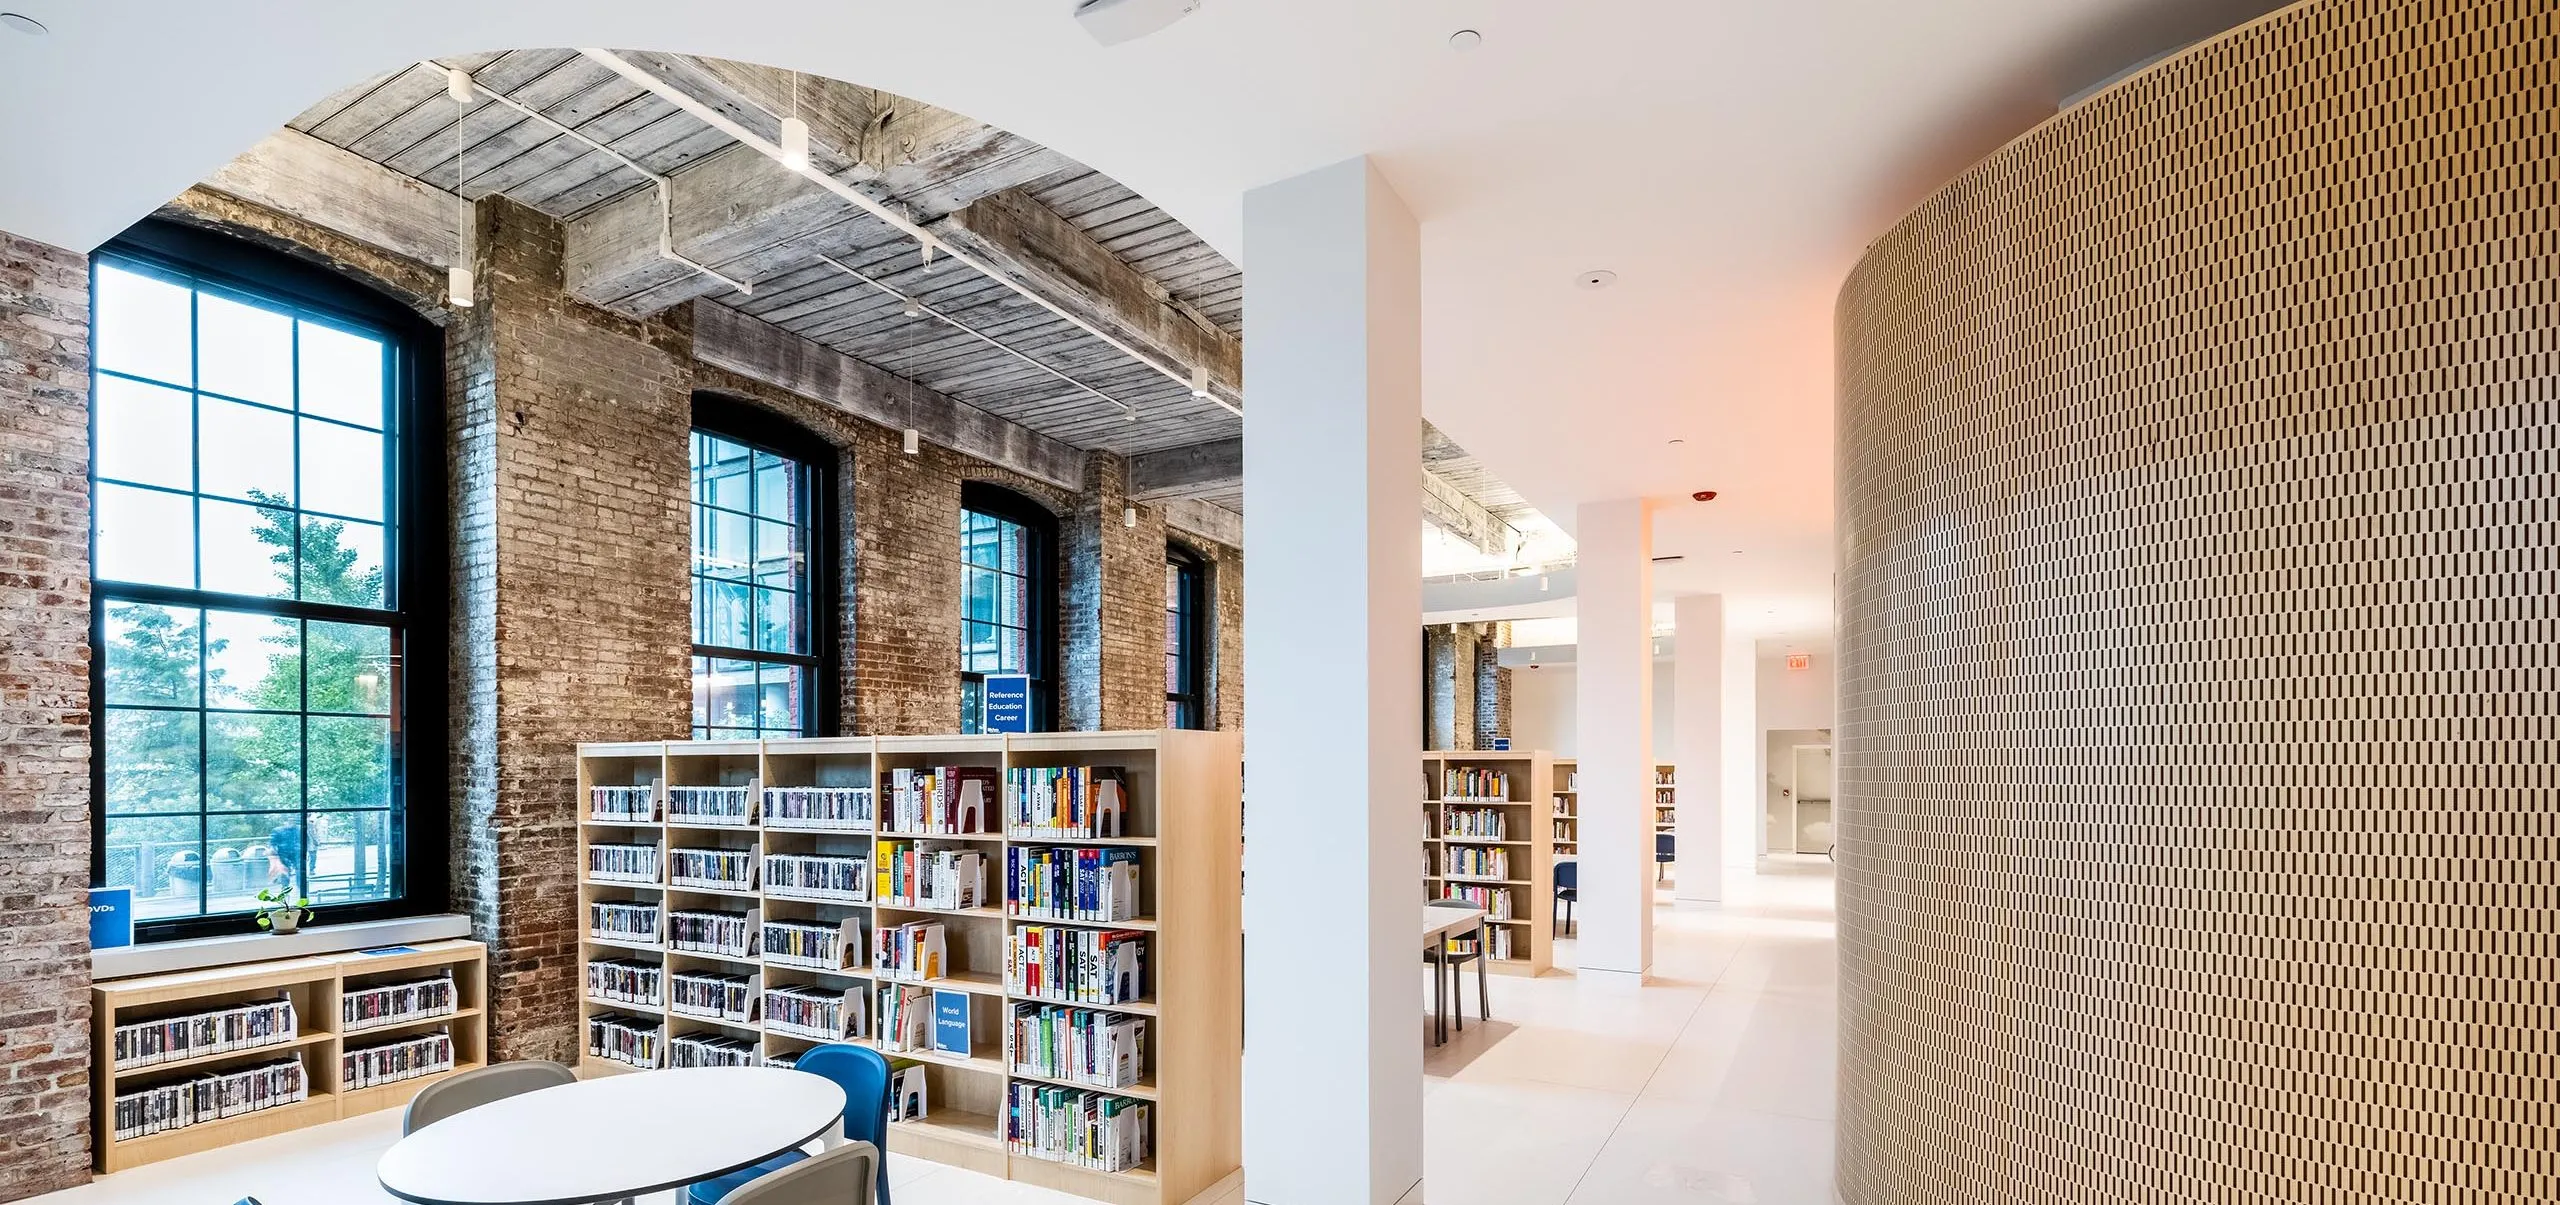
568, 510
1493, 685
1112, 627
1226, 670
44, 717
583, 496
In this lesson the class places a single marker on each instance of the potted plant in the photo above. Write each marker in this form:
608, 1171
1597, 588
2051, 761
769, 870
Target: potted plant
279, 913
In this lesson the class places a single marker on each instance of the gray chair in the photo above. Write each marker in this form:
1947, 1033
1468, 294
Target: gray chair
1472, 952
842, 1176
472, 1089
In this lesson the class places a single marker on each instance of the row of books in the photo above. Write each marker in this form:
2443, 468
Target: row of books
713, 1050
914, 877
1458, 782
817, 1013
1476, 861
719, 869
924, 1020
1087, 1046
815, 944
840, 877
640, 1042
396, 1060
623, 920
1077, 966
703, 931
1072, 1125
818, 809
912, 951
628, 805
728, 807
940, 800
215, 1031
715, 996
1496, 901
1071, 883
165, 1107
626, 981
1066, 801
623, 863
394, 1003
1473, 822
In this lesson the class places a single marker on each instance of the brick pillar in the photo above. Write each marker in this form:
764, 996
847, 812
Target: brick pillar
1111, 621
44, 718
1463, 642
1226, 668
571, 483
1493, 685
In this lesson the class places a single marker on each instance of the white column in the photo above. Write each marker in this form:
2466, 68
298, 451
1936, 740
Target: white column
1697, 745
1613, 728
1746, 796
1333, 631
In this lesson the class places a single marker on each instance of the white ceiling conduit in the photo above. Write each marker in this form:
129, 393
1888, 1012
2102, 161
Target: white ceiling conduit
770, 149
916, 305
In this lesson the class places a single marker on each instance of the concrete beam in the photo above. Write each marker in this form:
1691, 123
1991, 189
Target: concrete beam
1192, 471
751, 347
301, 176
1029, 242
1456, 512
743, 214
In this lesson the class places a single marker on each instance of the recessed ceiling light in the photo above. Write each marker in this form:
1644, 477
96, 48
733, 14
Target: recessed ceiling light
1597, 278
1677, 442
22, 23
1465, 40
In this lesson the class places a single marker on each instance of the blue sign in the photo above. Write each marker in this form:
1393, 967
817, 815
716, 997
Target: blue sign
1008, 703
1502, 744
110, 917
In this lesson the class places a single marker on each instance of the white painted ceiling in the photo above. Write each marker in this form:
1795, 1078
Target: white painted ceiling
1728, 159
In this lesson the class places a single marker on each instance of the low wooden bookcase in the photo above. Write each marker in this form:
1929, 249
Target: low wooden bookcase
1517, 790
318, 986
1183, 824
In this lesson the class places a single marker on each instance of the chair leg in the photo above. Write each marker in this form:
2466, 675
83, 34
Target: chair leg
1484, 972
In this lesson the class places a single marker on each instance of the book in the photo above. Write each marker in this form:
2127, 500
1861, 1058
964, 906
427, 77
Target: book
906, 1090
951, 1023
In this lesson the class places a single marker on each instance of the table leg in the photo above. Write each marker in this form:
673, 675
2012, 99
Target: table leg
1484, 990
1439, 991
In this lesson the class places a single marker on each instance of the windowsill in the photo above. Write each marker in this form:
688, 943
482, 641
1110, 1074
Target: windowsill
160, 958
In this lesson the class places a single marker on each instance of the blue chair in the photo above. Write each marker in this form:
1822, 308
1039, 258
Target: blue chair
1568, 889
863, 1073
1661, 854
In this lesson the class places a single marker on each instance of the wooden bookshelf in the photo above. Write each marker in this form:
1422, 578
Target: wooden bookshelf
316, 984
1185, 823
1665, 816
1566, 816
1527, 850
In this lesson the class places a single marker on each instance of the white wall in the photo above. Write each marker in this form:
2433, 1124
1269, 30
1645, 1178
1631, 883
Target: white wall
1542, 702
1792, 701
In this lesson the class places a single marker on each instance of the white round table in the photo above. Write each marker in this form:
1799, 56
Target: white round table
614, 1137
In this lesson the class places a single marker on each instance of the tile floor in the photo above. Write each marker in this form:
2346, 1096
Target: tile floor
1711, 1084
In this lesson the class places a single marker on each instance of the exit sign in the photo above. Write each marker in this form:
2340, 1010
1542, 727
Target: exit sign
1799, 661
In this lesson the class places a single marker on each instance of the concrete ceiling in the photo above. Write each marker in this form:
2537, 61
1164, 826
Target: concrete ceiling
1728, 160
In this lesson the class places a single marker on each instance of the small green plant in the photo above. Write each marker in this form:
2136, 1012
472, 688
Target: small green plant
280, 913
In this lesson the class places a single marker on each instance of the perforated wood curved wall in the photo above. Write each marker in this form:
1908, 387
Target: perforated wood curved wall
2199, 743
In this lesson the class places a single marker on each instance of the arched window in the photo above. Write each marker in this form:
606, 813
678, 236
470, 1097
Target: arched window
267, 480
1186, 609
762, 505
1008, 600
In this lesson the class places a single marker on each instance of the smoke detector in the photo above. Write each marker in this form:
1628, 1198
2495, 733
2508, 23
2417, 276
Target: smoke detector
1112, 22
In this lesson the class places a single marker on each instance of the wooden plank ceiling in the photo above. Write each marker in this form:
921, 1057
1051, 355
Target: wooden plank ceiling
927, 163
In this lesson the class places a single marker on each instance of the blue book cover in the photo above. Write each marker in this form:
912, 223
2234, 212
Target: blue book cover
110, 917
951, 1023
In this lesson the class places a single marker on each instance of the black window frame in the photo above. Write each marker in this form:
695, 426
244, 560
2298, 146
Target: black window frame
1040, 527
762, 430
1190, 615
417, 554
